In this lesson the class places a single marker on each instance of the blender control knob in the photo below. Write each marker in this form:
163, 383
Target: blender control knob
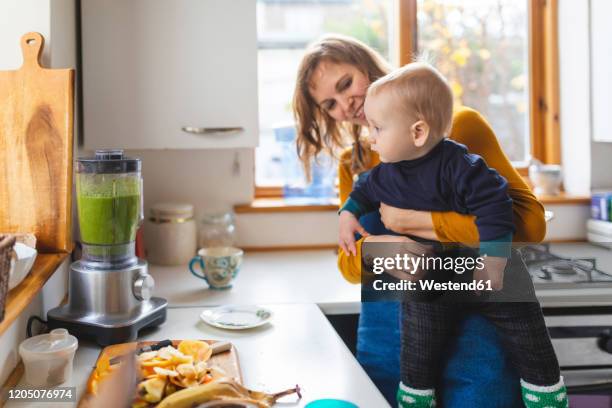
143, 287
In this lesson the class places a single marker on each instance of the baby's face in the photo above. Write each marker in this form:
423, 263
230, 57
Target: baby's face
389, 128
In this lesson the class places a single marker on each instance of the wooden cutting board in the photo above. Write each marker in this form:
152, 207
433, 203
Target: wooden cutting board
227, 361
36, 144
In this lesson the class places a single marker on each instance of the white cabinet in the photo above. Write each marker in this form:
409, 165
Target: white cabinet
161, 74
601, 69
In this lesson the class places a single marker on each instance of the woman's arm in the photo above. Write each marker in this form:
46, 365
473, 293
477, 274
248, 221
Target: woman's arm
408, 222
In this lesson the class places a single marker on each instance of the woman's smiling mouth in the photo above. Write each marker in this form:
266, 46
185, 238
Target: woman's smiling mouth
359, 114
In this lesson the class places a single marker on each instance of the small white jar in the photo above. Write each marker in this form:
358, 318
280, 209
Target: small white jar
48, 358
170, 234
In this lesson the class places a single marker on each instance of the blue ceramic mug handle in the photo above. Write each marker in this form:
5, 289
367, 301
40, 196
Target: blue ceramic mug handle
197, 259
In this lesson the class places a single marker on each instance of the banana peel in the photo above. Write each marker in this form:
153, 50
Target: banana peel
223, 389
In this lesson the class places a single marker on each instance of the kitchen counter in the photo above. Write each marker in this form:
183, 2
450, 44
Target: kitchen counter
279, 277
299, 346
312, 276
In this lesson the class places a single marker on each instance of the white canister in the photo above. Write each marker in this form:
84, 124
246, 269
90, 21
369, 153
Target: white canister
47, 358
170, 234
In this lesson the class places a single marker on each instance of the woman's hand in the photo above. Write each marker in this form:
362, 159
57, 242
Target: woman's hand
411, 222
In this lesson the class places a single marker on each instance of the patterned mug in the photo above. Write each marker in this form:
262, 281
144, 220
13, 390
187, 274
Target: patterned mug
219, 265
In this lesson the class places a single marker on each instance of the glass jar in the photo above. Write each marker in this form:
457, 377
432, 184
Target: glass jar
217, 230
170, 234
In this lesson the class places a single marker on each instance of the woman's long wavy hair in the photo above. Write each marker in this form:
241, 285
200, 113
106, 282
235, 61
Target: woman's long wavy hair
316, 130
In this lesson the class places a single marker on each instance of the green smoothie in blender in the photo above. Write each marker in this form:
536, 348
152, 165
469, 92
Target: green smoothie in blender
109, 209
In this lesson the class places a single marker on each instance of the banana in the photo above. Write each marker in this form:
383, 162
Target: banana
223, 389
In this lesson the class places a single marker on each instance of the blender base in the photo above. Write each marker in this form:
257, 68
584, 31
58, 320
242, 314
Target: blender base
108, 329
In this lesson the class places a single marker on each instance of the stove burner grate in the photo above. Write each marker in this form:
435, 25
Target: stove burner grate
547, 267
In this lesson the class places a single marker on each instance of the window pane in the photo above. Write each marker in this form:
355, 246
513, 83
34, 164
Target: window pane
481, 47
284, 29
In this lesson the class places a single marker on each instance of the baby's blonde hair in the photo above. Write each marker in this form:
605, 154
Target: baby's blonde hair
421, 91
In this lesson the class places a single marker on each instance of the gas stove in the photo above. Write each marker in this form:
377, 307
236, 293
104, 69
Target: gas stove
552, 271
573, 282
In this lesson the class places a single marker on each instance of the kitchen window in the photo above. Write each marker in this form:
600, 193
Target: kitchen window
500, 57
284, 29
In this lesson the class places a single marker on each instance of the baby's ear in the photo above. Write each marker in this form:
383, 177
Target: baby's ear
420, 133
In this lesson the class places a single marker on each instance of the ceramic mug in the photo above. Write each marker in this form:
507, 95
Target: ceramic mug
218, 265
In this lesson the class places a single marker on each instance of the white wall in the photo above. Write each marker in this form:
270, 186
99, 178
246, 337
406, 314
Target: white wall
587, 165
54, 19
601, 163
18, 17
575, 95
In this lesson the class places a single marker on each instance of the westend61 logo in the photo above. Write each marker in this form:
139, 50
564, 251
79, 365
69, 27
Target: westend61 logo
431, 285
412, 264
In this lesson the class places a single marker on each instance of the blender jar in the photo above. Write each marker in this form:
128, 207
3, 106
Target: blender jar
110, 208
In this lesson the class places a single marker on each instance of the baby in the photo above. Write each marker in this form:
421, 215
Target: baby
409, 112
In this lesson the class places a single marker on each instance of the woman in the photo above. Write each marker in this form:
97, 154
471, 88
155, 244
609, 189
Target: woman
328, 103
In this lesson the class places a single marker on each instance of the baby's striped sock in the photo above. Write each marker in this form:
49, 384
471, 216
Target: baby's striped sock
551, 396
408, 397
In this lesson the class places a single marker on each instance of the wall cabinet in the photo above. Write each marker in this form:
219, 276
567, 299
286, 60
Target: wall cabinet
601, 70
161, 74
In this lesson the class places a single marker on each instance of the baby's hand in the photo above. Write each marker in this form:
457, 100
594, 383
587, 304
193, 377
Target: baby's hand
348, 226
493, 271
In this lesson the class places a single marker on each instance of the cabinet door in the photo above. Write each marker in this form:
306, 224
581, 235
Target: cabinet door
160, 74
601, 70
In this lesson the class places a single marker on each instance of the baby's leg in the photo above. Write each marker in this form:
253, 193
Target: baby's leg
426, 329
525, 335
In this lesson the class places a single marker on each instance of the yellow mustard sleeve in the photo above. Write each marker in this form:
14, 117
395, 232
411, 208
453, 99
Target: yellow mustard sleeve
455, 227
472, 130
349, 266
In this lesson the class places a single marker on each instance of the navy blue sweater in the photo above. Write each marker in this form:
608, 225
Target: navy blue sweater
448, 178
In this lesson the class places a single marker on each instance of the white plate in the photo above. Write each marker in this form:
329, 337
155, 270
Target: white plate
21, 264
236, 317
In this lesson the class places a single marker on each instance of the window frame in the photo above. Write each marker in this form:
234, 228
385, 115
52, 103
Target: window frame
544, 123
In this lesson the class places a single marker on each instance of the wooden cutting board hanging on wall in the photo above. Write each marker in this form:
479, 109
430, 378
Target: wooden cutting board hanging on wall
36, 144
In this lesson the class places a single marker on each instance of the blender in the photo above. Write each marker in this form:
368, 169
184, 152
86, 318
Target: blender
109, 288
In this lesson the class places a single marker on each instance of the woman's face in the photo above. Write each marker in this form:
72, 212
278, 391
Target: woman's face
339, 90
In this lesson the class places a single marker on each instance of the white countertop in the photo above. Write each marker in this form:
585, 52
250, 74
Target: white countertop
312, 276
298, 347
279, 277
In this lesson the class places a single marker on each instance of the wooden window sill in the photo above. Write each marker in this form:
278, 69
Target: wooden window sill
564, 199
282, 205
20, 297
